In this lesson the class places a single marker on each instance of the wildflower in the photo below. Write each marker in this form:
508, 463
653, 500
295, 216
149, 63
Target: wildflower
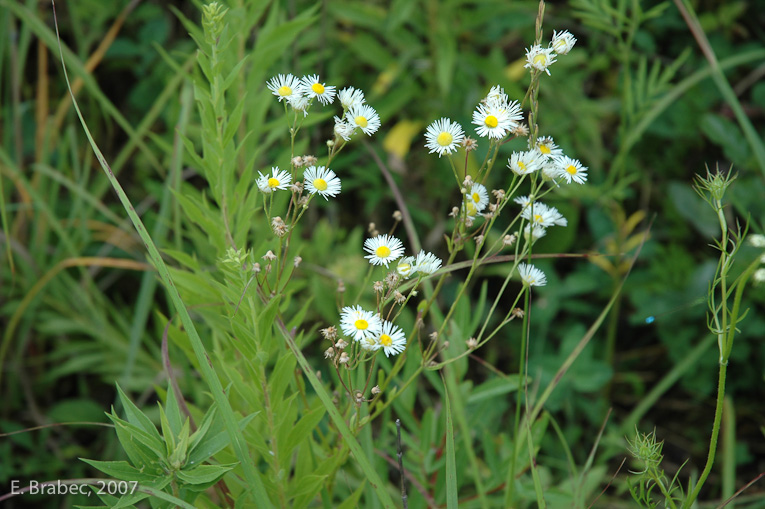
472, 343
391, 339
312, 87
756, 240
520, 130
539, 58
330, 333
284, 86
399, 297
296, 161
397, 216
309, 160
405, 267
499, 194
523, 201
508, 240
497, 95
518, 313
341, 344
443, 136
495, 120
297, 261
378, 287
427, 263
358, 323
370, 343
469, 144
571, 169
525, 163
322, 180
562, 42
535, 233
478, 196
543, 215
391, 279
279, 227
256, 268
270, 256
329, 352
277, 180
344, 358
350, 96
531, 276
365, 117
547, 147
383, 249
344, 129
376, 390
299, 103
296, 187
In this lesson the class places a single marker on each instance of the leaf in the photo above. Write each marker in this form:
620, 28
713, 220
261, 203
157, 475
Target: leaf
121, 470
136, 417
204, 474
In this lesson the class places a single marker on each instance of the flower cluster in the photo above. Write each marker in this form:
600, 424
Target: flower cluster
384, 249
540, 58
371, 332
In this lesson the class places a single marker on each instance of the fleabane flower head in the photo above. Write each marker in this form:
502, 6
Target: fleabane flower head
344, 129
531, 276
284, 86
539, 58
278, 180
562, 42
405, 267
547, 147
494, 118
299, 103
478, 196
358, 324
427, 263
543, 215
571, 169
313, 87
321, 180
383, 249
350, 96
391, 339
443, 136
497, 95
364, 117
525, 163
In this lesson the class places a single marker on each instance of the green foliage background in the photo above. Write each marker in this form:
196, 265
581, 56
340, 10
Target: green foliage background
634, 102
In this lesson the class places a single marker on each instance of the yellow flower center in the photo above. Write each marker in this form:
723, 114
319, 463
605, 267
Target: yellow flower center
544, 149
444, 139
361, 121
537, 218
386, 340
361, 324
540, 59
383, 251
476, 197
404, 268
571, 169
471, 209
559, 45
491, 121
285, 91
272, 183
320, 184
521, 166
318, 88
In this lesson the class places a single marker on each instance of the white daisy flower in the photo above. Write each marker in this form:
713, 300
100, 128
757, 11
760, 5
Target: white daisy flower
299, 103
495, 119
344, 129
478, 196
443, 136
350, 96
370, 343
312, 87
321, 180
534, 234
539, 58
523, 201
383, 249
359, 324
525, 163
543, 215
548, 148
406, 267
277, 180
365, 117
497, 95
284, 86
571, 169
531, 276
391, 339
756, 240
562, 42
427, 263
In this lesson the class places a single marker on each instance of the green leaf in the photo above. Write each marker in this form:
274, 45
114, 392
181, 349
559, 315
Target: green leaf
304, 426
121, 470
212, 444
173, 411
136, 417
204, 474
